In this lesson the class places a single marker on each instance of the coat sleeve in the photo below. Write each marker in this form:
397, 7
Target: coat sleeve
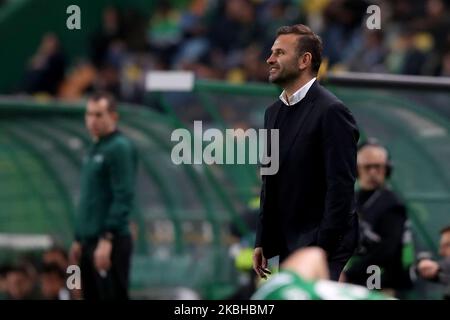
340, 137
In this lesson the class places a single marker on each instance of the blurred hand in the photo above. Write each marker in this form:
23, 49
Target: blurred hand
102, 255
342, 277
75, 253
310, 263
428, 269
260, 263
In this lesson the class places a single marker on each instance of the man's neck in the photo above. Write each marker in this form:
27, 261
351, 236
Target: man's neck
106, 135
367, 190
371, 188
293, 87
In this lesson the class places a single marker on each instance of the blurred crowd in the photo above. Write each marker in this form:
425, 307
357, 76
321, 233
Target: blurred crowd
37, 277
230, 40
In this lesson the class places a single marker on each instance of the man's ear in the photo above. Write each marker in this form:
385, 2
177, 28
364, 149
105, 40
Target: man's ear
304, 61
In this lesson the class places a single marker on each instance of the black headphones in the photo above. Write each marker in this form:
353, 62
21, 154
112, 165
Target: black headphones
375, 143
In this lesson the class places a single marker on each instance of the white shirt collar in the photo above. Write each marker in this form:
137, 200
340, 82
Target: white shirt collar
298, 95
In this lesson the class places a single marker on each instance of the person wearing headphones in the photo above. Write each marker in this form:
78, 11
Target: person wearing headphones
382, 217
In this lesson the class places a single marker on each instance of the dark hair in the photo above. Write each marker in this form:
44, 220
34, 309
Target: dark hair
19, 268
4, 269
52, 268
99, 95
445, 229
308, 41
58, 250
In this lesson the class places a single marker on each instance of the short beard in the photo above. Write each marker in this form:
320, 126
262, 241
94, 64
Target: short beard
285, 79
288, 75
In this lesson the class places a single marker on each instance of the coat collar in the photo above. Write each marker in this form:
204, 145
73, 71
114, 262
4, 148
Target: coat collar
298, 95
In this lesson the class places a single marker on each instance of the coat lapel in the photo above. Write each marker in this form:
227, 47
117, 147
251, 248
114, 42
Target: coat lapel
270, 125
295, 131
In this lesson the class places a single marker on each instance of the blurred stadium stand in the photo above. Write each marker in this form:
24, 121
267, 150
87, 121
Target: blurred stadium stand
218, 39
183, 213
28, 20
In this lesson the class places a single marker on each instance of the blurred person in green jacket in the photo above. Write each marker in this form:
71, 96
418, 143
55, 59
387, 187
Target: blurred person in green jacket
103, 243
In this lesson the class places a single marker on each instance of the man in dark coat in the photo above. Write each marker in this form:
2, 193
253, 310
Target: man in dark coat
310, 200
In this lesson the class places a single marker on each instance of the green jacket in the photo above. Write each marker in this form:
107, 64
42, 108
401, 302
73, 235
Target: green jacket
107, 188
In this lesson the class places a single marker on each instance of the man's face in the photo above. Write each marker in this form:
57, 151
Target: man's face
19, 285
444, 245
371, 167
284, 60
51, 284
55, 257
99, 120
